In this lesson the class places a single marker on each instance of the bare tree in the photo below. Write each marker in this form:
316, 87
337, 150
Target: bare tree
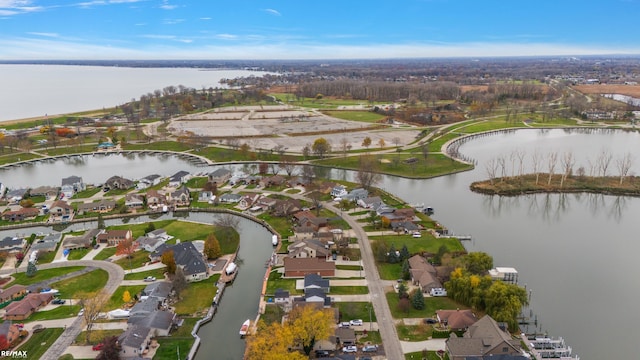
367, 175
536, 159
396, 141
287, 163
604, 161
344, 146
624, 165
492, 169
567, 165
552, 161
502, 164
92, 303
520, 155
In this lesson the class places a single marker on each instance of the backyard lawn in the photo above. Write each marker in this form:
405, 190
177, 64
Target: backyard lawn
426, 243
197, 297
116, 302
60, 312
89, 282
41, 275
431, 305
356, 310
40, 342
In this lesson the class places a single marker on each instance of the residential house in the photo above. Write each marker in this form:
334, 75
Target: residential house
456, 320
219, 176
148, 181
159, 321
423, 274
135, 341
303, 232
266, 203
15, 196
307, 218
370, 202
21, 214
483, 338
84, 241
118, 182
179, 178
154, 198
248, 200
144, 307
101, 206
12, 292
46, 244
20, 310
275, 180
46, 191
230, 198
298, 181
309, 248
317, 295
114, 237
357, 194
61, 211
206, 196
282, 297
160, 233
236, 178
10, 332
345, 336
339, 191
71, 185
159, 291
286, 207
134, 201
406, 226
148, 243
251, 179
299, 267
315, 281
399, 215
187, 257
180, 197
12, 244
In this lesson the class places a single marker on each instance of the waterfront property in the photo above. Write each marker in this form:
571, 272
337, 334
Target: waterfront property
484, 338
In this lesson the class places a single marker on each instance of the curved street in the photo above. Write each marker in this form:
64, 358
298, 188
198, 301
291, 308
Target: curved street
71, 332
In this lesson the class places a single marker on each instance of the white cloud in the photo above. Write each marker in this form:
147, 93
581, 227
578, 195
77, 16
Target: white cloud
205, 18
273, 12
172, 21
166, 6
45, 34
226, 36
16, 7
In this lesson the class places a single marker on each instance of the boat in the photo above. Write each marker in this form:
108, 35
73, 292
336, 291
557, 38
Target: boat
231, 268
274, 240
245, 327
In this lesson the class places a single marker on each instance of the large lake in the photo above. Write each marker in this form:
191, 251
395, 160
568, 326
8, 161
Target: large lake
35, 90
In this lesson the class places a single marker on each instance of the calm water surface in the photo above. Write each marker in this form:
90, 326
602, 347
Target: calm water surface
576, 252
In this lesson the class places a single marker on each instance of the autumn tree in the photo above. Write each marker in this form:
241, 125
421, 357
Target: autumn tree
272, 342
126, 297
212, 247
321, 147
366, 142
309, 325
126, 247
381, 143
478, 262
110, 349
168, 259
92, 303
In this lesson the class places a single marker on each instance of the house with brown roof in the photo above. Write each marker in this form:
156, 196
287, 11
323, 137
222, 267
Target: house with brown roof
31, 303
286, 207
180, 197
46, 191
399, 215
299, 267
307, 218
275, 180
114, 237
118, 182
134, 201
423, 274
248, 200
21, 214
309, 248
482, 339
456, 320
61, 211
154, 198
12, 292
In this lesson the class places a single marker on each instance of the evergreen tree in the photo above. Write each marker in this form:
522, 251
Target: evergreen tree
31, 269
392, 257
402, 291
406, 273
150, 228
404, 253
417, 299
100, 221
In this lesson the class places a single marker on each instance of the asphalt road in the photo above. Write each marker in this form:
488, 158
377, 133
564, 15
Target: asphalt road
116, 275
386, 325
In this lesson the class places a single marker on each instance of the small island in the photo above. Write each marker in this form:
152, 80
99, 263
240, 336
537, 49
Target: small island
555, 183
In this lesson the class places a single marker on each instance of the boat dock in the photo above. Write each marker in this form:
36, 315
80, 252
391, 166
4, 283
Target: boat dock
549, 348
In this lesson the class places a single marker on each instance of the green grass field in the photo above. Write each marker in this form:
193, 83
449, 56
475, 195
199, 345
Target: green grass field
432, 304
197, 297
40, 342
41, 275
426, 243
89, 282
61, 312
116, 302
356, 310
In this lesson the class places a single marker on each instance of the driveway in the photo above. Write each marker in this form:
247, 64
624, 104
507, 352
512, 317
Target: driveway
430, 345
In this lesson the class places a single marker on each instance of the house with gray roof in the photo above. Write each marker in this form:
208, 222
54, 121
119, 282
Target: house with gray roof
71, 185
423, 274
144, 308
118, 182
160, 321
179, 178
101, 206
159, 290
15, 195
12, 244
356, 194
230, 198
149, 180
314, 281
148, 243
219, 176
134, 341
187, 256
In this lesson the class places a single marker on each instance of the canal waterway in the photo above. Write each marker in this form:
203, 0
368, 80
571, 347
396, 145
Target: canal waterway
575, 252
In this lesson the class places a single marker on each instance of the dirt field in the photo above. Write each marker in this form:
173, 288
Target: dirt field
629, 90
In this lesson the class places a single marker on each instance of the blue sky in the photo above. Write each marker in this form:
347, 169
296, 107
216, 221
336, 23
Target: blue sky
245, 29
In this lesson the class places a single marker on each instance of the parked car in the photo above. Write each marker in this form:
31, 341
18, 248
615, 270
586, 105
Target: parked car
37, 328
430, 321
356, 322
416, 234
345, 324
150, 279
322, 353
370, 348
97, 347
58, 301
350, 349
81, 312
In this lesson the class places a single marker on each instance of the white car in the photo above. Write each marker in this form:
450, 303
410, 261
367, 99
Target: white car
350, 349
81, 312
150, 279
416, 234
356, 322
